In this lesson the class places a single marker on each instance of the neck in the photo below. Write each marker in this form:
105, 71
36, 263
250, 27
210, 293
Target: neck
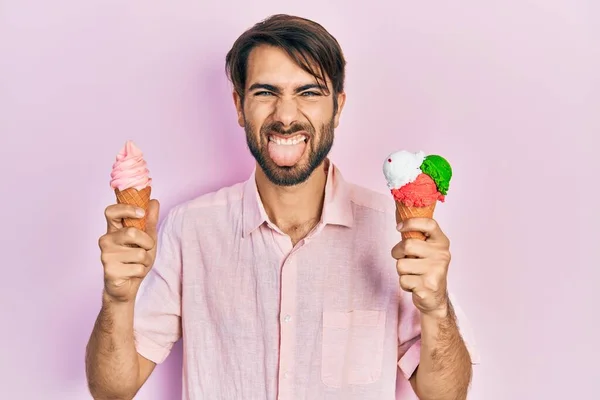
294, 209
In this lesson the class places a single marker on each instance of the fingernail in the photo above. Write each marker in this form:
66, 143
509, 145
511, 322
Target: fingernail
399, 226
139, 212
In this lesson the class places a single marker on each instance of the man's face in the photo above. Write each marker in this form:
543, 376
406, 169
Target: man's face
288, 118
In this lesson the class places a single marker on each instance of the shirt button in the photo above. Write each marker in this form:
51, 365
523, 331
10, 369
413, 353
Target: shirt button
286, 375
287, 318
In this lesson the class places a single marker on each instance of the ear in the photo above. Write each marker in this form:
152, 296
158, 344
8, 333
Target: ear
341, 97
239, 108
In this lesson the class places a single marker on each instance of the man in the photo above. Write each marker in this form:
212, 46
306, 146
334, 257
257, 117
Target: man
283, 286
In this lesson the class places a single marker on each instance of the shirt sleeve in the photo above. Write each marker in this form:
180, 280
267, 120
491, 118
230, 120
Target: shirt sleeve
157, 315
409, 334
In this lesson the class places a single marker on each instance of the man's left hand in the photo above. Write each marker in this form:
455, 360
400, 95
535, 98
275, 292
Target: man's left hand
423, 265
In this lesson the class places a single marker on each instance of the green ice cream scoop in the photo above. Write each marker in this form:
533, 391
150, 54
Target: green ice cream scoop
439, 170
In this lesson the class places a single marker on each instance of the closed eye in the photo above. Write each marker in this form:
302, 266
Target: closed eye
263, 93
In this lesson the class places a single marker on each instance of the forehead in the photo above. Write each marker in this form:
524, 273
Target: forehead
272, 65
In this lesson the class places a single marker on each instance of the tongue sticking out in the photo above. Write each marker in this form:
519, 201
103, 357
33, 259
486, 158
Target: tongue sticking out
286, 155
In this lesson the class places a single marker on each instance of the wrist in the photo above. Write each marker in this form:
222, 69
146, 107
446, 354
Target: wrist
441, 313
111, 301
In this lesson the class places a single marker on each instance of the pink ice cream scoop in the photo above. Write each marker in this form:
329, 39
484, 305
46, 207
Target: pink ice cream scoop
130, 169
422, 192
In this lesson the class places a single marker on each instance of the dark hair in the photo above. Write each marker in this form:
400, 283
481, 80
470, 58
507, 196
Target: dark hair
309, 44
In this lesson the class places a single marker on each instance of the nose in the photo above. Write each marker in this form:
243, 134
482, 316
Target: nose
286, 111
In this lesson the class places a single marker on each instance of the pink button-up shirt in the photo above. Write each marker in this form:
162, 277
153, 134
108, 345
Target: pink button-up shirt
262, 319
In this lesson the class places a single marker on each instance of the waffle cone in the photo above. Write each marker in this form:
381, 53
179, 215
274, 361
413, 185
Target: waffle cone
138, 198
403, 213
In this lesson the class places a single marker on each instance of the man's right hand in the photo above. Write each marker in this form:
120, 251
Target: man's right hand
127, 253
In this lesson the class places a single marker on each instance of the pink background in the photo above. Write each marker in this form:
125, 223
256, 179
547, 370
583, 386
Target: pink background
509, 91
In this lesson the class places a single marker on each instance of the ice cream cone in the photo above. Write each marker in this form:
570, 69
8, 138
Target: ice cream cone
417, 183
404, 212
138, 198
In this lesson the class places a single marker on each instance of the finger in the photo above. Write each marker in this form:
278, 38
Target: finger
131, 236
410, 266
152, 218
135, 255
115, 213
410, 283
428, 226
119, 272
113, 253
411, 248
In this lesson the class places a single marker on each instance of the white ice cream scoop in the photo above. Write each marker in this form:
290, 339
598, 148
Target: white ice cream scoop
402, 167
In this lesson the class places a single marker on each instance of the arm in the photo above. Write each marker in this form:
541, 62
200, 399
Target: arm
444, 370
114, 368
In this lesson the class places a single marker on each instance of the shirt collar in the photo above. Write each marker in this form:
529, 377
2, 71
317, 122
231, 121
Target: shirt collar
337, 205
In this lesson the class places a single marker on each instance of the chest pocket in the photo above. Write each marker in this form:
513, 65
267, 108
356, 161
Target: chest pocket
352, 351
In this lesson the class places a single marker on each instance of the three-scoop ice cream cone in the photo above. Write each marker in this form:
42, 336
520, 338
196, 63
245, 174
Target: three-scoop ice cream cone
131, 182
417, 182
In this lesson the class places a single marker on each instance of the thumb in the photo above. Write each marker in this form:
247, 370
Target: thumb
152, 218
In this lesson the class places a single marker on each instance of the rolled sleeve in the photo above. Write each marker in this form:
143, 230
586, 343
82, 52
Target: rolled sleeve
157, 316
409, 361
409, 335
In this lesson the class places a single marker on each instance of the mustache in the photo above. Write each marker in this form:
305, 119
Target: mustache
278, 127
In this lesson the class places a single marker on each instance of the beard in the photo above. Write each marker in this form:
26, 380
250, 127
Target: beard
318, 147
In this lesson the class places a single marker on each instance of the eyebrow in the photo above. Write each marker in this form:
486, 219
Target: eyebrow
276, 89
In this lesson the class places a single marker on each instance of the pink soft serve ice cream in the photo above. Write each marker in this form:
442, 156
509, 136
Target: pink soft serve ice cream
130, 169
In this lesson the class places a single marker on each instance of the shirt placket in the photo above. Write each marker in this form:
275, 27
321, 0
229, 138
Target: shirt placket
287, 325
